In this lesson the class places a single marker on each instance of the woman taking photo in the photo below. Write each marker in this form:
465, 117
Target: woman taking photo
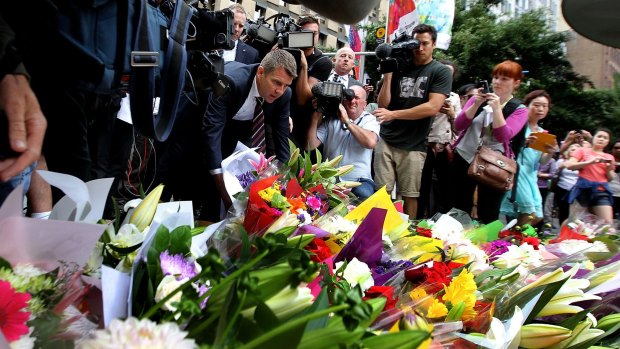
528, 202
596, 170
482, 121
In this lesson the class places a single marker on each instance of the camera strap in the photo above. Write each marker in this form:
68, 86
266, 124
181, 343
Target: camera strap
145, 66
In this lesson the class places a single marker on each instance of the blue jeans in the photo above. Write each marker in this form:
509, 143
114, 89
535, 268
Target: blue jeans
23, 178
365, 190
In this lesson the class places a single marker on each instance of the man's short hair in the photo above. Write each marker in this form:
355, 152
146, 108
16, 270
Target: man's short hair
280, 59
303, 20
238, 9
425, 28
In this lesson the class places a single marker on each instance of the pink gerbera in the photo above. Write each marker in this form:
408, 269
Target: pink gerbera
13, 318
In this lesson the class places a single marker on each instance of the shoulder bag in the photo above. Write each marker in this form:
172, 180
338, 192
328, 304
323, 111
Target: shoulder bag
491, 167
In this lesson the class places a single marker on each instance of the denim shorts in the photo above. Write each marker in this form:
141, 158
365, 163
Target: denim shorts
599, 198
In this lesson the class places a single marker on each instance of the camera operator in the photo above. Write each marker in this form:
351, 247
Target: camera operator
407, 101
353, 134
242, 52
314, 67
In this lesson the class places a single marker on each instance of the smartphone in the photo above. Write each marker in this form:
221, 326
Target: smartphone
485, 86
606, 161
368, 81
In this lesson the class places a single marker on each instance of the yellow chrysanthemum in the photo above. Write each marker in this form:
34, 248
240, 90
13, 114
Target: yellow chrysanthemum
462, 289
268, 193
437, 310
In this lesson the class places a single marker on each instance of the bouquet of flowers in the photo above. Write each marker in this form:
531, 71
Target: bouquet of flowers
41, 309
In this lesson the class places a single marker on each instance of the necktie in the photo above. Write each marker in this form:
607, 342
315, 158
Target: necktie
336, 78
258, 126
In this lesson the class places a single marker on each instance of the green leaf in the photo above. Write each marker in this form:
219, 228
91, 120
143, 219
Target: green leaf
265, 317
318, 156
4, 264
548, 291
456, 312
402, 339
161, 240
181, 240
230, 311
245, 247
321, 302
572, 321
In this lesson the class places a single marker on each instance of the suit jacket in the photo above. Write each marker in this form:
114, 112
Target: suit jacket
246, 54
221, 132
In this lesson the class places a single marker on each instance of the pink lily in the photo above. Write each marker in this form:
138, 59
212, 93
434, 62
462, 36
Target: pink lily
262, 164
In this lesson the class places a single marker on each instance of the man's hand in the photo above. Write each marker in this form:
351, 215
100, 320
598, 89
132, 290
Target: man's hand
290, 124
342, 114
303, 62
26, 124
221, 188
384, 115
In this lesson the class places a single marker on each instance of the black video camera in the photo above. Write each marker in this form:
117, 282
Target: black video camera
209, 31
329, 96
284, 32
397, 56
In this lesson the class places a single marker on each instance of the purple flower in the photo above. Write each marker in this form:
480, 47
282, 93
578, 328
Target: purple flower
387, 268
245, 179
177, 265
495, 248
202, 290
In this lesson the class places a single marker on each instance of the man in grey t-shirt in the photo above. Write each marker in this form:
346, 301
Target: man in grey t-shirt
353, 135
407, 102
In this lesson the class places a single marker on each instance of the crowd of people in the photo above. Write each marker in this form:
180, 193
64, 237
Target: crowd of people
416, 137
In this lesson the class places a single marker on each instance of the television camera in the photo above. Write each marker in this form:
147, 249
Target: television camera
398, 55
284, 32
329, 96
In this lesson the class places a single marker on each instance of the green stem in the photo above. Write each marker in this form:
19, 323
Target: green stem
227, 280
266, 337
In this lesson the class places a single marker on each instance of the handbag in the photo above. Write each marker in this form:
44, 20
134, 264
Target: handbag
493, 169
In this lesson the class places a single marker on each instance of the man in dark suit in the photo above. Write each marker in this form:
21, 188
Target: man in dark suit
234, 116
344, 62
242, 52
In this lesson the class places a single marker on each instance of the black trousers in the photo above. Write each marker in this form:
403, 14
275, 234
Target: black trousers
463, 187
84, 138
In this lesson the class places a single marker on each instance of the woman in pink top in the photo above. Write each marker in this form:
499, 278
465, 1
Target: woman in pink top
596, 169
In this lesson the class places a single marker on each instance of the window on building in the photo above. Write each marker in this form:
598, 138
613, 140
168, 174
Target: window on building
322, 39
259, 12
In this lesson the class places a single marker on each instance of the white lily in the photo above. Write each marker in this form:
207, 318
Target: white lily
571, 292
581, 333
534, 336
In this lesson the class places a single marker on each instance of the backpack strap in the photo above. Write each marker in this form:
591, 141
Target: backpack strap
145, 64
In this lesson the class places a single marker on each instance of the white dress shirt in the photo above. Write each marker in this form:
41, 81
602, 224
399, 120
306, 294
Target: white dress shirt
246, 112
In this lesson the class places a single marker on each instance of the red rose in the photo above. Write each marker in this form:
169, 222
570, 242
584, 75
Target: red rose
319, 249
382, 291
